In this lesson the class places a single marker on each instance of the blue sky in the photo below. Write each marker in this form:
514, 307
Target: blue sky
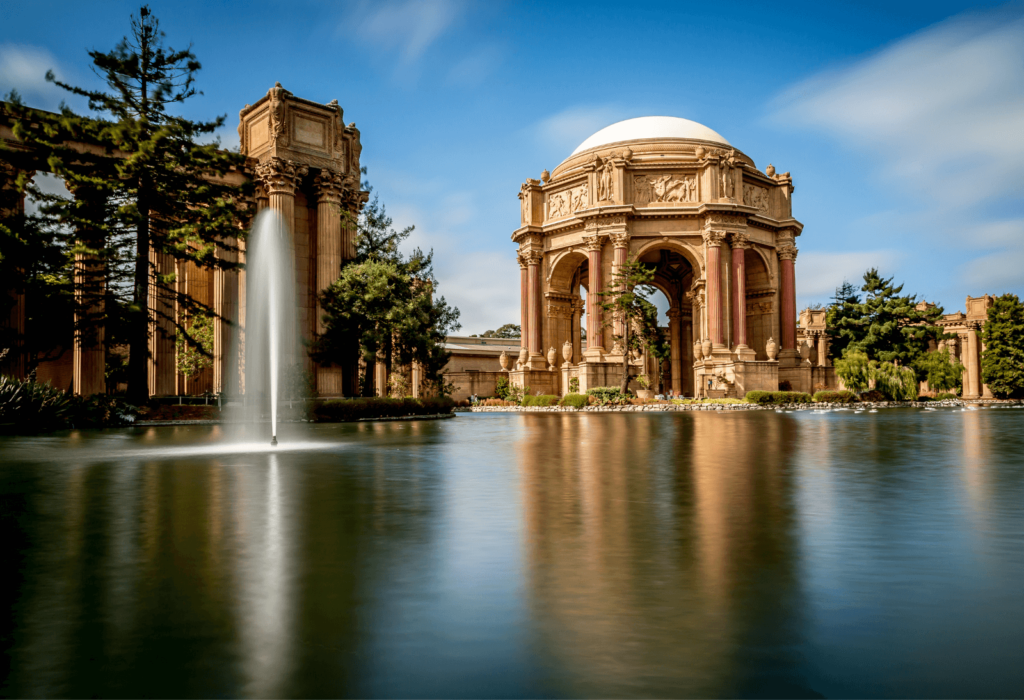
902, 123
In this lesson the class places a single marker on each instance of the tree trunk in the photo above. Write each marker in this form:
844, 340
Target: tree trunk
138, 333
623, 387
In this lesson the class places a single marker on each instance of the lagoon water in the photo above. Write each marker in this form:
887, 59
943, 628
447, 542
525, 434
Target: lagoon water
516, 555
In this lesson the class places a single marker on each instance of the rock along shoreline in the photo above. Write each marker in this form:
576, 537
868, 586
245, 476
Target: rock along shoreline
665, 408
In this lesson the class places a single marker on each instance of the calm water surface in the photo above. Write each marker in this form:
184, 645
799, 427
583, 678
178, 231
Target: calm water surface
686, 554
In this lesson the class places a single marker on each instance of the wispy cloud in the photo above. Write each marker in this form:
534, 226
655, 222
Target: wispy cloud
941, 114
564, 131
23, 68
407, 27
474, 67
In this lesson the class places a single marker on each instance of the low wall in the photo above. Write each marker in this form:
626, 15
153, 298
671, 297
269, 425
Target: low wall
473, 383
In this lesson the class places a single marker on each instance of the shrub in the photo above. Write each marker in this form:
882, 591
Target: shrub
501, 387
32, 407
834, 397
574, 400
895, 381
608, 395
496, 402
785, 386
542, 400
338, 410
777, 397
873, 395
854, 369
925, 398
574, 385
945, 397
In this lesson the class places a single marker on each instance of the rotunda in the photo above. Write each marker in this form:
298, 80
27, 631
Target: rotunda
718, 231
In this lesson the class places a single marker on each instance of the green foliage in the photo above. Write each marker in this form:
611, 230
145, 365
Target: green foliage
501, 388
609, 395
873, 396
398, 386
945, 397
575, 400
896, 382
941, 370
574, 385
30, 406
835, 397
195, 349
854, 369
777, 397
541, 400
339, 410
509, 330
886, 326
627, 299
642, 381
146, 181
516, 394
1002, 361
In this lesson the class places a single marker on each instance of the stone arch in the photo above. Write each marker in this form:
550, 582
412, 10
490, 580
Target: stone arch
692, 255
566, 274
760, 302
562, 268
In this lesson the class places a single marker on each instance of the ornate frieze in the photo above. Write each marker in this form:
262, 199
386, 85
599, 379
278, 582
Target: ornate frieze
564, 203
757, 197
666, 187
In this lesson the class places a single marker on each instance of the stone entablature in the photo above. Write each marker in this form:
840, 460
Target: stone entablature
715, 226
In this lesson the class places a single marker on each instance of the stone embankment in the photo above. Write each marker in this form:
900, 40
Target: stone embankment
668, 407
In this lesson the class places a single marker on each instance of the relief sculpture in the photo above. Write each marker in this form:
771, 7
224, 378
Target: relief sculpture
664, 188
756, 197
562, 204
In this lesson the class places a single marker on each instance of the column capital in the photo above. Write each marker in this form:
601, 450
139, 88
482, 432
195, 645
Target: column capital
521, 260
787, 252
620, 239
280, 176
674, 314
714, 238
592, 243
330, 186
531, 257
740, 241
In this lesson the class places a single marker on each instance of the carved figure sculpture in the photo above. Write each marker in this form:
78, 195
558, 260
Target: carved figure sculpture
580, 197
605, 189
558, 205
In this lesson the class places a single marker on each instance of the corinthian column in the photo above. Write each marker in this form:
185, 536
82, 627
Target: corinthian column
524, 303
535, 299
280, 178
620, 241
329, 185
676, 347
713, 242
787, 260
740, 243
88, 355
595, 325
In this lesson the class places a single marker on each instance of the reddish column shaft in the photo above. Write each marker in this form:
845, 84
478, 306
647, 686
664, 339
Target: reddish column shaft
714, 292
788, 304
535, 306
618, 260
524, 308
739, 296
594, 315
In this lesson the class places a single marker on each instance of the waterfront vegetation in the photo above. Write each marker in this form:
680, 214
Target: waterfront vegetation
27, 406
341, 410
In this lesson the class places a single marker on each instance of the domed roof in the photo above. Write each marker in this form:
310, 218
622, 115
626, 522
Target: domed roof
645, 128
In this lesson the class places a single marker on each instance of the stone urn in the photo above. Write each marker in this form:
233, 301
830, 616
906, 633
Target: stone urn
805, 352
698, 352
567, 351
772, 349
705, 347
551, 358
523, 354
645, 393
699, 152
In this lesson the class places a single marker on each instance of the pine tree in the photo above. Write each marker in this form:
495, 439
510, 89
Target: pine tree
627, 300
154, 182
837, 317
886, 326
1002, 362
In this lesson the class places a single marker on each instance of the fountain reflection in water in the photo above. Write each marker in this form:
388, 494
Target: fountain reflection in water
271, 333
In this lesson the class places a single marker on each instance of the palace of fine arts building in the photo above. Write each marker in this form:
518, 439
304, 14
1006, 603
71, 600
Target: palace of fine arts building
434, 349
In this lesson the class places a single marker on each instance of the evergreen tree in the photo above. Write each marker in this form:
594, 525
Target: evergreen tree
886, 326
509, 330
843, 307
1002, 362
144, 182
627, 299
941, 370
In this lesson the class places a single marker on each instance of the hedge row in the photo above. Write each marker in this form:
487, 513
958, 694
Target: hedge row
337, 410
574, 400
835, 397
777, 397
542, 400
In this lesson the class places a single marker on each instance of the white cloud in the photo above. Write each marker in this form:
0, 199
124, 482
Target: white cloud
409, 27
942, 110
1001, 270
23, 68
818, 274
564, 131
473, 68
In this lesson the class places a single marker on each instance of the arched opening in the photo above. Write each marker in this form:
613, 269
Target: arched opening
565, 308
759, 302
673, 277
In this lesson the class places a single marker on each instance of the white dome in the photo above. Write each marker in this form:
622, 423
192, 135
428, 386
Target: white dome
643, 128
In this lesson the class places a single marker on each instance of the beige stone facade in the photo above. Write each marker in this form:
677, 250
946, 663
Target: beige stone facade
305, 163
966, 346
719, 232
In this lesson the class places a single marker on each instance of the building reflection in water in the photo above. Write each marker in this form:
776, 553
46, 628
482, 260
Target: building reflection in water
651, 545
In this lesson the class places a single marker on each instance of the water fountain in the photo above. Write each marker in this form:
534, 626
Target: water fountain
271, 332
